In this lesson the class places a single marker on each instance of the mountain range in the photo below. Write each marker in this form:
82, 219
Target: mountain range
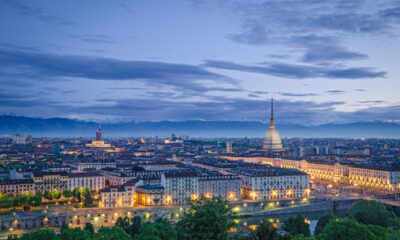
64, 127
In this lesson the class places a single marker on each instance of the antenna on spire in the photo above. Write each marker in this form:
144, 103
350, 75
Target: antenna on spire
272, 121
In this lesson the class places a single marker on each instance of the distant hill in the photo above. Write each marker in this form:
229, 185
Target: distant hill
73, 128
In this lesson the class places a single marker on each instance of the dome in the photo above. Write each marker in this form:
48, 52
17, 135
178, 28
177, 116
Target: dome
272, 139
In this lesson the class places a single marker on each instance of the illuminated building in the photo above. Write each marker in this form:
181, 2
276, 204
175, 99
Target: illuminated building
17, 186
180, 185
272, 139
229, 147
98, 134
98, 142
118, 196
260, 183
225, 186
90, 180
50, 181
375, 177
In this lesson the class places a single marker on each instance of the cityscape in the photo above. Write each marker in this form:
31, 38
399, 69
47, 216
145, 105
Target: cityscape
198, 119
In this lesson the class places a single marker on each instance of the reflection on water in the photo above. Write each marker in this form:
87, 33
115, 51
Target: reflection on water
277, 220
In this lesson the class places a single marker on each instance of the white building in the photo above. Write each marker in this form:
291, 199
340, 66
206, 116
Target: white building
18, 139
91, 181
180, 186
273, 183
118, 196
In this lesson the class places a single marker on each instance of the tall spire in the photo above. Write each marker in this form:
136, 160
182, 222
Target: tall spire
272, 121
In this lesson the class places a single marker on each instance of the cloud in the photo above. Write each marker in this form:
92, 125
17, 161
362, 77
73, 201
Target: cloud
330, 53
335, 91
28, 9
299, 94
34, 64
298, 71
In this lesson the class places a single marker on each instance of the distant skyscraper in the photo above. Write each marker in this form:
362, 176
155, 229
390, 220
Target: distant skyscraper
98, 134
272, 139
228, 147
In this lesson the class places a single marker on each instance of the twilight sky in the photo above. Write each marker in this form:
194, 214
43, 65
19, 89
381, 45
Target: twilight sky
321, 60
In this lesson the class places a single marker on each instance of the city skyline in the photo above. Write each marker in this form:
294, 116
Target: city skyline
201, 60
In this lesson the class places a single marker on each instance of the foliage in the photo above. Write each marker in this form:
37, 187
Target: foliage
206, 219
349, 229
323, 221
135, 227
266, 231
48, 195
88, 199
160, 230
297, 225
114, 233
373, 212
42, 234
89, 227
35, 200
75, 234
6, 203
56, 194
123, 223
67, 193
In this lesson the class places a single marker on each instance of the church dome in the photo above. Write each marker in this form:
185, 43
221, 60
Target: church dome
272, 139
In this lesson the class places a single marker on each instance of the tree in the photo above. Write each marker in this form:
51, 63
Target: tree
206, 219
35, 200
373, 212
160, 230
20, 200
107, 183
323, 221
43, 234
75, 192
347, 229
57, 194
266, 231
67, 193
88, 199
123, 223
89, 227
114, 233
135, 227
297, 225
48, 195
6, 203
75, 234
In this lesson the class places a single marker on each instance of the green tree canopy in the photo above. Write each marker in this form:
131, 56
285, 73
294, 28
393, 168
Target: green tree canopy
297, 225
349, 229
67, 193
266, 231
75, 234
48, 195
57, 194
373, 212
323, 221
135, 227
42, 234
114, 233
123, 223
206, 219
160, 230
89, 227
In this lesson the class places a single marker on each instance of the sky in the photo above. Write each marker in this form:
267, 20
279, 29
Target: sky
333, 61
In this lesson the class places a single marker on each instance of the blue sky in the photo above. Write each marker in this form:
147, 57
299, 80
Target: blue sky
322, 61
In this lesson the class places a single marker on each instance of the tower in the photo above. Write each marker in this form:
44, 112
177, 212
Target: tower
98, 134
272, 139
